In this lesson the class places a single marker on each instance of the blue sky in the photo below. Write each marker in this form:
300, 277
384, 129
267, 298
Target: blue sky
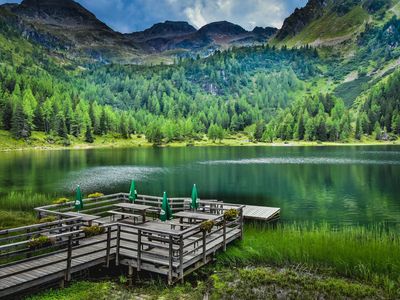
134, 15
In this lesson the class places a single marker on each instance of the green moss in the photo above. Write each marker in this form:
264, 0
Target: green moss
95, 195
47, 219
93, 230
61, 201
268, 283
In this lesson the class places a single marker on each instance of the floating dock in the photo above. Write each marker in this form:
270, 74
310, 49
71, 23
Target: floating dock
260, 213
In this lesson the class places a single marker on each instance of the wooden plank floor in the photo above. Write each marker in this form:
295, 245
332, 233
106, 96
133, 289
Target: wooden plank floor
13, 278
262, 213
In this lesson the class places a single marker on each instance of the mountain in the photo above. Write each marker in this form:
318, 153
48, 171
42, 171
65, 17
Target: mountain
56, 79
66, 25
70, 30
182, 36
331, 22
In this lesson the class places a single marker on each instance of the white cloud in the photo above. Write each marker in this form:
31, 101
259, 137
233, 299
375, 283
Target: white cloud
247, 13
194, 15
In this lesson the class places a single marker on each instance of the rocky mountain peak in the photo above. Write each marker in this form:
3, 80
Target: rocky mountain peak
64, 12
170, 27
221, 27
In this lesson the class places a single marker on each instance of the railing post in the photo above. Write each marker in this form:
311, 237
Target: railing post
224, 235
181, 258
241, 223
118, 244
204, 247
170, 260
108, 246
69, 259
139, 249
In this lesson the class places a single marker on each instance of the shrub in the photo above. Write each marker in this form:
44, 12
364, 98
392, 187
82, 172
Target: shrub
61, 201
39, 242
93, 230
207, 226
95, 195
230, 214
47, 219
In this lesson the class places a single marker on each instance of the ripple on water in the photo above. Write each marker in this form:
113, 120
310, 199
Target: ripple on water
301, 160
97, 178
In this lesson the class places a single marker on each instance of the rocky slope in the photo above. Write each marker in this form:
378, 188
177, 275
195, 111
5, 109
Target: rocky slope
67, 27
331, 22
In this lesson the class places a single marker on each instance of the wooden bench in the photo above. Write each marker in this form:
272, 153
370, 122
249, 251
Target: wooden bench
114, 213
175, 223
155, 211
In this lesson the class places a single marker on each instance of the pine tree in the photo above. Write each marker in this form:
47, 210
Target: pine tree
377, 131
259, 130
7, 114
20, 126
88, 135
103, 122
123, 127
358, 132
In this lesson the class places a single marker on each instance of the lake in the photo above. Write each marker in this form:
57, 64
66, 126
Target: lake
339, 185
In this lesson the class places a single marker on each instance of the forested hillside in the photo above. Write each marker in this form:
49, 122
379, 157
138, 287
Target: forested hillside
304, 93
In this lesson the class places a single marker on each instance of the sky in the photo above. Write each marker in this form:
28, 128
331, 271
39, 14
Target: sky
136, 15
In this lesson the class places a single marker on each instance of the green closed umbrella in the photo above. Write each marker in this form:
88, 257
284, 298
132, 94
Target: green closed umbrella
78, 199
166, 213
132, 192
195, 201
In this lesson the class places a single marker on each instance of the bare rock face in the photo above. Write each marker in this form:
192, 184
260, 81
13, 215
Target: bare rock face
300, 18
59, 13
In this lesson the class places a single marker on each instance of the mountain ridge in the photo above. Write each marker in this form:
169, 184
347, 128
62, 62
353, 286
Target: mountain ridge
66, 24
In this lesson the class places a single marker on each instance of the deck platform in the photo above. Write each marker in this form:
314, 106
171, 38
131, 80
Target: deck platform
172, 248
260, 213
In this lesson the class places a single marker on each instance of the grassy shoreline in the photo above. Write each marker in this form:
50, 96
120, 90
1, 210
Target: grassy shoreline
39, 141
291, 261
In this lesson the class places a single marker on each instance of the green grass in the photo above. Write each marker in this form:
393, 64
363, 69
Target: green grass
369, 254
10, 219
291, 261
24, 201
330, 26
349, 91
241, 283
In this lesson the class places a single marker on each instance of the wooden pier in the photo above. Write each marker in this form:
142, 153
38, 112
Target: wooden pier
172, 248
261, 213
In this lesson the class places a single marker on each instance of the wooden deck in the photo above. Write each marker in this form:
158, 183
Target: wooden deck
173, 249
260, 213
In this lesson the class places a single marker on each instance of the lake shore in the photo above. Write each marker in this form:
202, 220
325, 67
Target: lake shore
303, 261
39, 141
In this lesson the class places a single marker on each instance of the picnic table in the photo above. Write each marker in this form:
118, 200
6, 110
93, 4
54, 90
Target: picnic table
84, 217
135, 207
194, 216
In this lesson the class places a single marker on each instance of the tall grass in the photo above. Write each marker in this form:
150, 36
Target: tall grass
367, 253
24, 201
9, 219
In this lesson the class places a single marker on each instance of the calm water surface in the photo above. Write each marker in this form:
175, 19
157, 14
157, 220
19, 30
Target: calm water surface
340, 185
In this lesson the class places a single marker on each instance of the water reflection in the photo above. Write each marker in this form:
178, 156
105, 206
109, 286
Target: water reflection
354, 185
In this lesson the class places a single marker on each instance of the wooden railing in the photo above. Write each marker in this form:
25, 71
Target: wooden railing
183, 248
99, 206
156, 250
15, 242
66, 238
